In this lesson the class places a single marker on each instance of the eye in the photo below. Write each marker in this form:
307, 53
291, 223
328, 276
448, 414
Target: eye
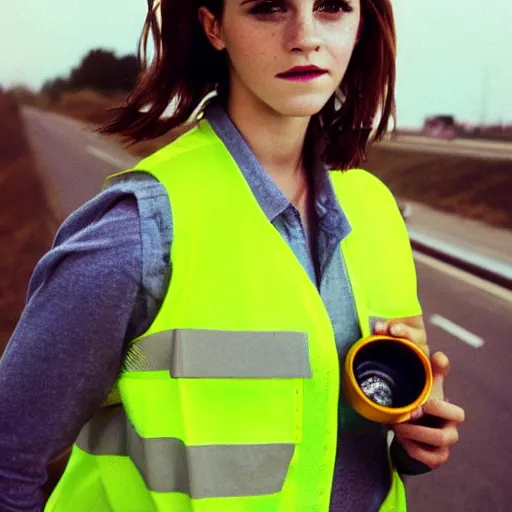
267, 8
334, 6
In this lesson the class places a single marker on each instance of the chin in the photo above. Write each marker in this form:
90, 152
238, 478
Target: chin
301, 106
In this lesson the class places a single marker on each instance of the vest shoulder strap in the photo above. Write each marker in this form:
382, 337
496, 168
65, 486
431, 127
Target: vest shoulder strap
378, 228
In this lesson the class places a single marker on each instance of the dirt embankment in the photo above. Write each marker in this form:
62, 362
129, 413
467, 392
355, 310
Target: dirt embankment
94, 109
470, 187
26, 221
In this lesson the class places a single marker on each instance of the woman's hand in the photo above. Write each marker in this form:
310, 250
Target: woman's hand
433, 428
411, 328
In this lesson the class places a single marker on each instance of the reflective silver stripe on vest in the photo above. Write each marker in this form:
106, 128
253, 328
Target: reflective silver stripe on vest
167, 465
221, 354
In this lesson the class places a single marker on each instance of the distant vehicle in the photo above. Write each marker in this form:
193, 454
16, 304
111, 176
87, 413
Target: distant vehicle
440, 127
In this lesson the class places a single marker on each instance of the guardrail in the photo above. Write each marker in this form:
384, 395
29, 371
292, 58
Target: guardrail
490, 269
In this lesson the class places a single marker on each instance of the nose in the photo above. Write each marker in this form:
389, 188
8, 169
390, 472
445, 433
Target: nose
303, 33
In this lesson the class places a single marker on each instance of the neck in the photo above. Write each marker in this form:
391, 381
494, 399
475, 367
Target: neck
277, 141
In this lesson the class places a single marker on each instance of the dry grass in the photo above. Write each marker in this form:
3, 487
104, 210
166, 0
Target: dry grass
87, 106
26, 222
474, 188
93, 108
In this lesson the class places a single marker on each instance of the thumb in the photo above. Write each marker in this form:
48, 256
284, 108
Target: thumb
440, 369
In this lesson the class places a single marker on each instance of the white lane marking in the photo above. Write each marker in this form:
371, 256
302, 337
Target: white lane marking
106, 157
466, 277
456, 330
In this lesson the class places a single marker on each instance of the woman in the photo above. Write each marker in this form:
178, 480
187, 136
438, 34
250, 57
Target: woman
189, 327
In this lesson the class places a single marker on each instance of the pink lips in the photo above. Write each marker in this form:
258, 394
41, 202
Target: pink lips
302, 73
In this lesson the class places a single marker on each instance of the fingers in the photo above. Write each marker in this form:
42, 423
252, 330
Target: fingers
410, 328
400, 329
440, 365
432, 457
444, 410
440, 368
436, 437
431, 444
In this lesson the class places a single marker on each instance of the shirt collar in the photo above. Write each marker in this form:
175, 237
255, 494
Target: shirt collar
270, 198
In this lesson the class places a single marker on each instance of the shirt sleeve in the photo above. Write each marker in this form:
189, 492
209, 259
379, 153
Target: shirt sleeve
88, 296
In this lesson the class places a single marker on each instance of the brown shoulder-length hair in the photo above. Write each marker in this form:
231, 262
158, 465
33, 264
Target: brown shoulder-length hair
185, 67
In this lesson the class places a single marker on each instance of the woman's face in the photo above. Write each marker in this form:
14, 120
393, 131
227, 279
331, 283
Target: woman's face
266, 38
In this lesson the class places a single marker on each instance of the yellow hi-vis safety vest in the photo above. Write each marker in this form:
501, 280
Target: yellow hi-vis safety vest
229, 402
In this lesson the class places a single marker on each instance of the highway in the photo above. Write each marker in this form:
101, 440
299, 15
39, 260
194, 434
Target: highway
466, 317
489, 150
73, 159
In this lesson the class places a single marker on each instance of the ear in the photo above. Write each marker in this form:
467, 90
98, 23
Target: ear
211, 27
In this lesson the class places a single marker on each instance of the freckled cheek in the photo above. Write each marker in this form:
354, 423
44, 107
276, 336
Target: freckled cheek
342, 46
254, 51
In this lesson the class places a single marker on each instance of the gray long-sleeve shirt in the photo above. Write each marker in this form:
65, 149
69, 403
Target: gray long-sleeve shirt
102, 284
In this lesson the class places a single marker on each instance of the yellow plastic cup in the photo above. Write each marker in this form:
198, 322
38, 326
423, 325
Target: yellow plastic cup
408, 364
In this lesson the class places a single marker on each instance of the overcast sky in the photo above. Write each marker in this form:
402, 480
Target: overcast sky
454, 55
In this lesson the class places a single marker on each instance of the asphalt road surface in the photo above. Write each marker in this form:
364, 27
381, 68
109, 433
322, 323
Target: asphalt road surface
73, 159
467, 318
